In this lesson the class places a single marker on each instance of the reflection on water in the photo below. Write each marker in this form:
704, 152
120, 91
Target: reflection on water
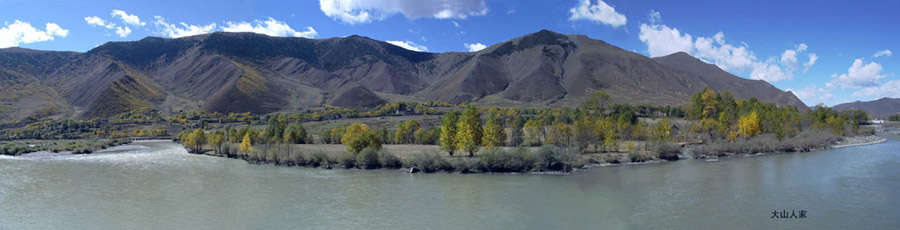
158, 185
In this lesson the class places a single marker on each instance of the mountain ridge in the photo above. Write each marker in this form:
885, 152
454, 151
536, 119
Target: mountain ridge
247, 72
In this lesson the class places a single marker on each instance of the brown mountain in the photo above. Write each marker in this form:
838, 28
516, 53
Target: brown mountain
238, 72
878, 108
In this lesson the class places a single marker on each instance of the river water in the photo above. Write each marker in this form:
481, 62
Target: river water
160, 186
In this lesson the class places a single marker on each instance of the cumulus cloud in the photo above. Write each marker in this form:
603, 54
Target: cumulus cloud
97, 21
184, 30
365, 11
123, 31
409, 45
269, 27
812, 61
474, 47
127, 18
20, 32
663, 40
858, 75
789, 57
889, 89
597, 13
887, 53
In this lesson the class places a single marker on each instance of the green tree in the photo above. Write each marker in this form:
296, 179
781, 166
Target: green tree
275, 128
469, 130
295, 134
560, 134
427, 136
533, 131
584, 132
516, 134
494, 135
597, 101
448, 132
216, 138
663, 130
405, 132
358, 136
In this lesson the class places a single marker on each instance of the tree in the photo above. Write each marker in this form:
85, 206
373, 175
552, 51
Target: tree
469, 130
275, 128
196, 140
216, 139
358, 136
516, 135
663, 130
295, 134
246, 145
405, 132
448, 132
560, 134
533, 131
584, 132
427, 136
749, 125
610, 141
597, 101
494, 135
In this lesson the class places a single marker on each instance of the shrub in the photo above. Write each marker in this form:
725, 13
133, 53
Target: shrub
389, 160
368, 159
552, 158
347, 160
666, 150
516, 160
429, 162
317, 159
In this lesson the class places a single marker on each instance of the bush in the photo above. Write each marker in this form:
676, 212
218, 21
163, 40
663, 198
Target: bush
516, 160
429, 162
317, 159
666, 150
552, 158
347, 160
388, 160
368, 159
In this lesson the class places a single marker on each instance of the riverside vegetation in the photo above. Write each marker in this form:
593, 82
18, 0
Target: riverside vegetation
472, 139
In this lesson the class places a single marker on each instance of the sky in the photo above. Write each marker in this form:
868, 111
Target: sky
827, 52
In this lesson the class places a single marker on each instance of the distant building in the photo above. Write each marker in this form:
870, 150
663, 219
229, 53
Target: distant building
877, 121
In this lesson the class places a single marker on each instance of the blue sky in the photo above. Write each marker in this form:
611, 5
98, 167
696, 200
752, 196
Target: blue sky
852, 41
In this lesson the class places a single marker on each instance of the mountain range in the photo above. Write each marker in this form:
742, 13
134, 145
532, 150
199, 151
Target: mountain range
878, 108
247, 72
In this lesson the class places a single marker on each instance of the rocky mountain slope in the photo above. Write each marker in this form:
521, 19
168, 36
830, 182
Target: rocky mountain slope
239, 72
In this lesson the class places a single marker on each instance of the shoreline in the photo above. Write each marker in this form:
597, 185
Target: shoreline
859, 141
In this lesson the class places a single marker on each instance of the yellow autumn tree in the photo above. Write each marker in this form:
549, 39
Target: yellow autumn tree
494, 135
448, 132
358, 136
749, 125
246, 145
469, 130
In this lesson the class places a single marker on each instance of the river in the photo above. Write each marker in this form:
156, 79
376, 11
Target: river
160, 186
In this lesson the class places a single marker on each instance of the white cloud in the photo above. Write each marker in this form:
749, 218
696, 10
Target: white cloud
655, 17
889, 89
174, 31
269, 27
365, 11
474, 47
810, 93
599, 13
858, 75
123, 31
768, 72
456, 24
789, 57
127, 18
812, 61
726, 56
97, 21
662, 40
512, 11
883, 53
409, 45
20, 32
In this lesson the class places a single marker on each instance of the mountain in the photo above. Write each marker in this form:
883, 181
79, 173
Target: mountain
882, 107
240, 72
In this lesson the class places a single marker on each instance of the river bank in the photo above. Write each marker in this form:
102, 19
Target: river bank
56, 147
